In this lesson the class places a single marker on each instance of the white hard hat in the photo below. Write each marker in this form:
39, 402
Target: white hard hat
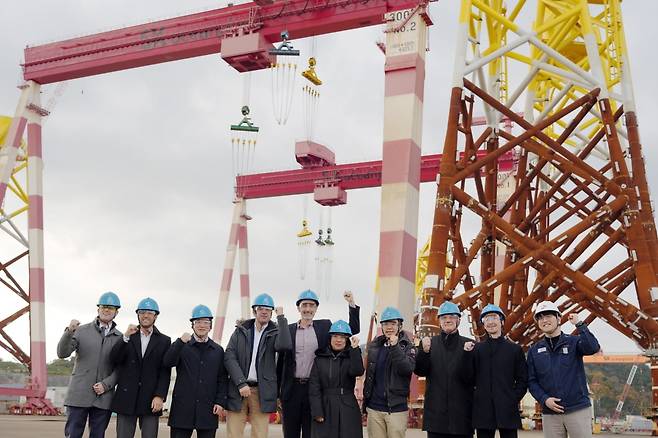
547, 306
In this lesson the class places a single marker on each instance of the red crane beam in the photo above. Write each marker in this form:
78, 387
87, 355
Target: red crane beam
199, 34
348, 176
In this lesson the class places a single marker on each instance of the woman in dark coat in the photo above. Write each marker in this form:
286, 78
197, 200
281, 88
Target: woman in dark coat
334, 408
498, 370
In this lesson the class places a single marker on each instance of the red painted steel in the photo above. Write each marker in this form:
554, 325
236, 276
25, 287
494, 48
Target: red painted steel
350, 176
199, 34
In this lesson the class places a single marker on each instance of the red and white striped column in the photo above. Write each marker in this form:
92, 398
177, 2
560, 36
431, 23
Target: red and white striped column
243, 259
403, 117
35, 242
13, 139
227, 275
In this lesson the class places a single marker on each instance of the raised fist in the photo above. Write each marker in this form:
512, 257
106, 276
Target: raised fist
73, 325
573, 318
426, 342
349, 297
355, 341
279, 311
131, 330
185, 337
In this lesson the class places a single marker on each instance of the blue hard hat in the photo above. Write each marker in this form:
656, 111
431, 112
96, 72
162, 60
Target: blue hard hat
201, 311
340, 327
390, 314
109, 299
263, 300
449, 308
492, 308
309, 295
148, 304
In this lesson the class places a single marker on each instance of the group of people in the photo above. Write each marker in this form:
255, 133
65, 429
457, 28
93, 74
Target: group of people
309, 368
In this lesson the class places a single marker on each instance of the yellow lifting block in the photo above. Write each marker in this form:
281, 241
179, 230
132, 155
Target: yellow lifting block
310, 72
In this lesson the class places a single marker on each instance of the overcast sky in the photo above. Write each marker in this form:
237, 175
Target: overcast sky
138, 180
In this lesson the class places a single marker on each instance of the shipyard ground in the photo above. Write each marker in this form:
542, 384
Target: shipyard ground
12, 426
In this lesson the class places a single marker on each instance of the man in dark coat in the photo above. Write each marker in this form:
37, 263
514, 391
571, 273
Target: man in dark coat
498, 370
294, 367
143, 379
391, 361
201, 380
251, 364
334, 408
448, 398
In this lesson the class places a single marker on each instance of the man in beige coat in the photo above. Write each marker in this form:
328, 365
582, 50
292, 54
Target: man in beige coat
93, 379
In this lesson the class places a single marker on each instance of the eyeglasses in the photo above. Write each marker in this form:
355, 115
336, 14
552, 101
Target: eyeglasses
201, 322
107, 307
491, 318
261, 308
146, 312
448, 317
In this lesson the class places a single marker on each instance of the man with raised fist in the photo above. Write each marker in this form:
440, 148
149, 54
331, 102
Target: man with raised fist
143, 379
93, 379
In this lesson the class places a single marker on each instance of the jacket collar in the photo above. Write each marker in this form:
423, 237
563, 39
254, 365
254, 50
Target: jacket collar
328, 352
113, 327
249, 324
210, 343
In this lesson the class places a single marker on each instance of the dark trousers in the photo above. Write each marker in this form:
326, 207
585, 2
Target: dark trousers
187, 433
491, 433
296, 413
148, 425
77, 419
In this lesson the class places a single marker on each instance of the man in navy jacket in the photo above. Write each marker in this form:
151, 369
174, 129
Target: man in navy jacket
556, 374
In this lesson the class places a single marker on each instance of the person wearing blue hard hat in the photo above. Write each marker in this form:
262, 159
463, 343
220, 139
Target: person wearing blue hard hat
94, 376
448, 395
391, 358
201, 379
143, 379
294, 367
334, 408
497, 368
251, 364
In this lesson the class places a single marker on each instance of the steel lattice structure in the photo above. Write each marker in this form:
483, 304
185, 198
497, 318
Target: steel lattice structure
580, 197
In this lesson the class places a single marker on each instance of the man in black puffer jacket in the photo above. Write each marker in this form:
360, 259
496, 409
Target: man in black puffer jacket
391, 361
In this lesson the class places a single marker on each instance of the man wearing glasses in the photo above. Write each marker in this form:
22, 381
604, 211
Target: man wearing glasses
556, 374
93, 379
250, 362
201, 380
448, 397
497, 369
143, 379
